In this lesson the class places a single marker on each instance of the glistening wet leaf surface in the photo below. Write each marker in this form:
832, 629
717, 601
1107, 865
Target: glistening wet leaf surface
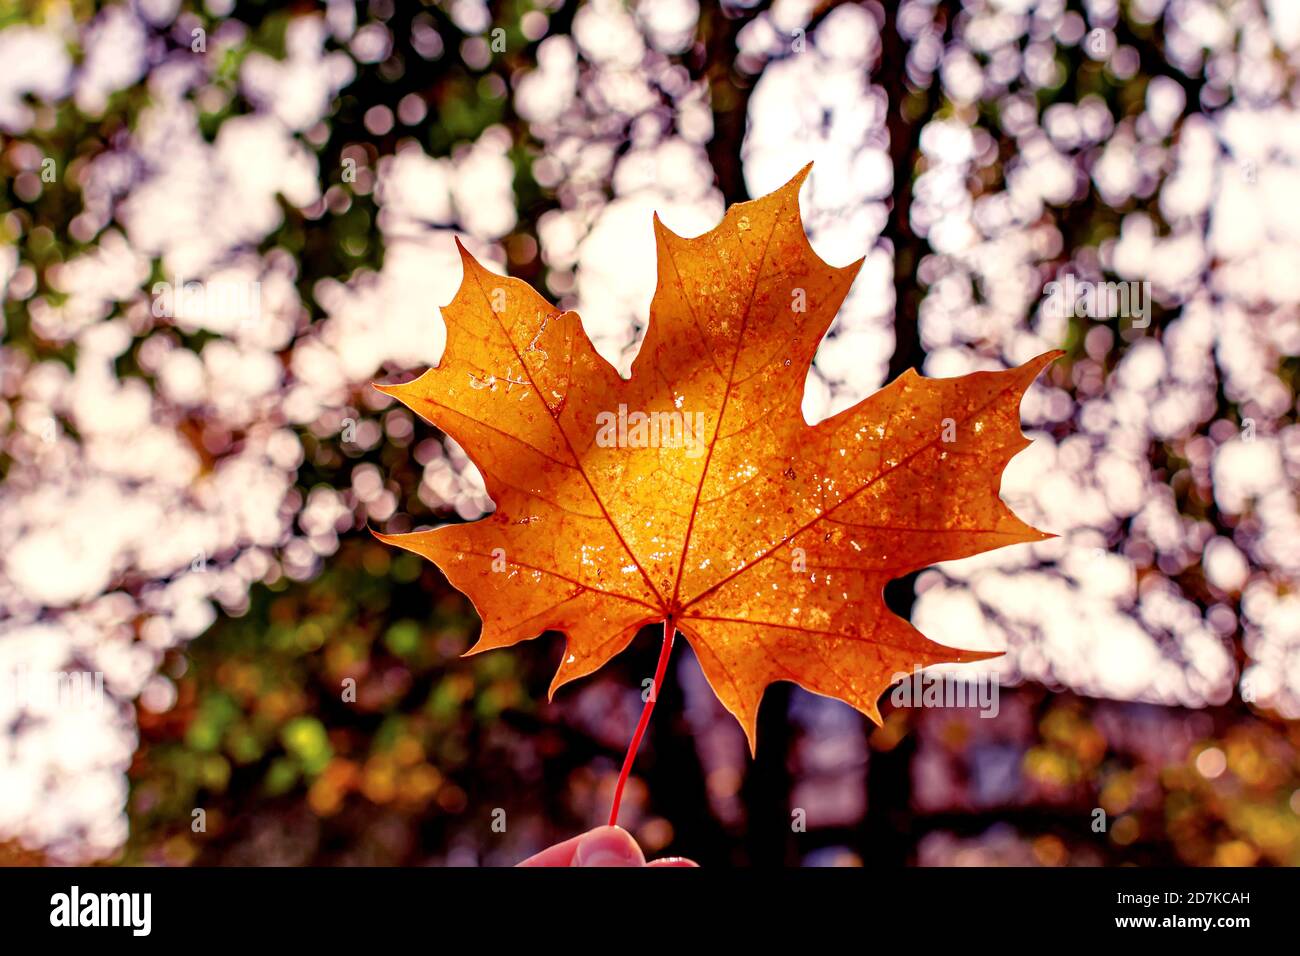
694, 490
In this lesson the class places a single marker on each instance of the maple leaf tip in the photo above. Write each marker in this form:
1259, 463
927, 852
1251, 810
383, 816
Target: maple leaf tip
661, 232
872, 713
794, 185
1046, 359
467, 260
466, 257
557, 682
970, 657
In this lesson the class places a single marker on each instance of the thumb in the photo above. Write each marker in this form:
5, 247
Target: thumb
608, 846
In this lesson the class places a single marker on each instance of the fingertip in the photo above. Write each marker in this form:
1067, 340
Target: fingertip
608, 846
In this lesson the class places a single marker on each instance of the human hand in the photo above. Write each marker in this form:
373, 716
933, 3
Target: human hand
603, 846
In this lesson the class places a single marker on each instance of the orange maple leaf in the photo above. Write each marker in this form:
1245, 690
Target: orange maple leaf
693, 492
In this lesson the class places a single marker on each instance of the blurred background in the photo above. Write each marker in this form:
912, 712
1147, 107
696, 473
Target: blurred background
221, 220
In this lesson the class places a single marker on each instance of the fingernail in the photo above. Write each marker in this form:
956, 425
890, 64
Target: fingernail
608, 846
